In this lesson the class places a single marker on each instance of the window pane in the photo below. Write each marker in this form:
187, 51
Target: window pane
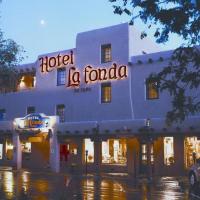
106, 92
144, 148
89, 148
30, 109
26, 147
61, 76
114, 151
152, 89
106, 53
168, 150
2, 114
60, 111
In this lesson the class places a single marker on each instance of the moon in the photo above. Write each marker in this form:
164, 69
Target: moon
42, 22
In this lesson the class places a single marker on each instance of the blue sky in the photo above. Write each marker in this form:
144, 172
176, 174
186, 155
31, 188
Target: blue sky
43, 26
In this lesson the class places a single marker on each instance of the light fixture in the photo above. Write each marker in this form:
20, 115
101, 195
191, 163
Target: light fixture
148, 122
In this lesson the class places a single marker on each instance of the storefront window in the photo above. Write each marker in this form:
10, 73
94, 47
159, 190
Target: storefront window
144, 154
9, 150
168, 151
1, 151
26, 147
89, 148
152, 154
192, 150
114, 151
73, 149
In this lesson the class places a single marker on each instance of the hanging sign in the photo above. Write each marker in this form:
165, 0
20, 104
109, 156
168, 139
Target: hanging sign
33, 121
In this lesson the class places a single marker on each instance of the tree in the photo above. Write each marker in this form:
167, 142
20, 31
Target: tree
10, 56
181, 78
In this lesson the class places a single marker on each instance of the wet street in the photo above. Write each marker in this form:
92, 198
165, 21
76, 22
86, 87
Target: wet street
49, 186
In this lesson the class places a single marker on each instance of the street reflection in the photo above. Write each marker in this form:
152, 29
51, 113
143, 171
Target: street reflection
8, 182
24, 185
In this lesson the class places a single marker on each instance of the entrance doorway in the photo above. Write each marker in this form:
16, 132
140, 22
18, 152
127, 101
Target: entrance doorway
144, 158
35, 152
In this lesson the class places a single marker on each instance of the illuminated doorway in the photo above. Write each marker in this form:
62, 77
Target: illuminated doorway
144, 157
192, 150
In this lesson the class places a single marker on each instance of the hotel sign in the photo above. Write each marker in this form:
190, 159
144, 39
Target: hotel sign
48, 64
33, 121
89, 74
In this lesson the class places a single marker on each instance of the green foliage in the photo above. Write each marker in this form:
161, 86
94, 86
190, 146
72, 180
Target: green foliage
10, 56
171, 16
181, 77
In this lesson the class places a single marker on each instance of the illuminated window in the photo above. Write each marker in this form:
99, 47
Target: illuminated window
9, 150
192, 150
61, 76
106, 93
2, 114
168, 150
144, 154
106, 53
114, 151
74, 149
152, 154
26, 147
60, 111
89, 148
152, 91
1, 151
27, 81
30, 109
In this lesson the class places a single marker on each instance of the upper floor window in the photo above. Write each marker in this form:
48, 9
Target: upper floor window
61, 76
60, 111
2, 114
30, 109
106, 55
152, 91
106, 93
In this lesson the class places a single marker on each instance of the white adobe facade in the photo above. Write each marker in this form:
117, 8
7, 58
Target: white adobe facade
85, 115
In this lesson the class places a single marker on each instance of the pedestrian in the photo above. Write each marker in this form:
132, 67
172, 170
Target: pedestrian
194, 157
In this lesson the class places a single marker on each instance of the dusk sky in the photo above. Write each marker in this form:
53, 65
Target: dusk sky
50, 25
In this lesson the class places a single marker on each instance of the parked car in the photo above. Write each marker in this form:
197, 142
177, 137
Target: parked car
194, 174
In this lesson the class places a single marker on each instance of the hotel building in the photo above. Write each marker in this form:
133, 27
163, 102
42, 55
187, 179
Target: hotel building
93, 108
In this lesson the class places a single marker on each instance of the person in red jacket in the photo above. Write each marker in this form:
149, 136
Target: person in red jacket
64, 152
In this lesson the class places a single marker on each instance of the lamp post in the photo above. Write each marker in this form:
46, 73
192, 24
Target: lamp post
149, 141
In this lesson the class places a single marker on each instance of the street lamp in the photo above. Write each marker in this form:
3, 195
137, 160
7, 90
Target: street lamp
149, 144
